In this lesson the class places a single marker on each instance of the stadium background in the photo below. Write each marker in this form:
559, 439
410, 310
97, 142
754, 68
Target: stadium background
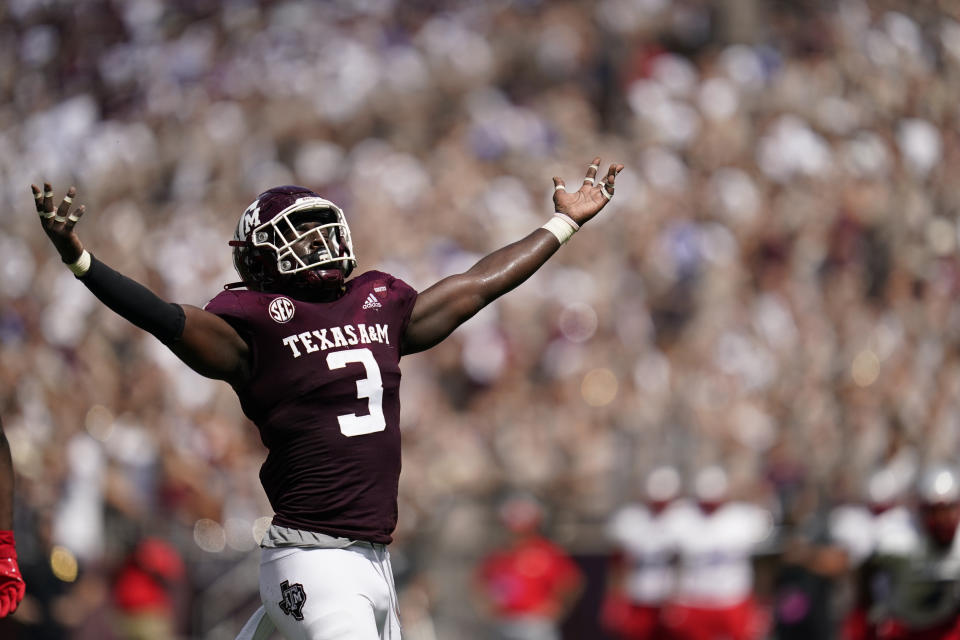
772, 290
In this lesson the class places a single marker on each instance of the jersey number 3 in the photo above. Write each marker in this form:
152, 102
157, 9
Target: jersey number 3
370, 387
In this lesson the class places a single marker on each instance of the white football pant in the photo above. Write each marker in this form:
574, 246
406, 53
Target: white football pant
326, 594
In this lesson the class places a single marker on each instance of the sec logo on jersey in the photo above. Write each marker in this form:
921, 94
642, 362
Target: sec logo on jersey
281, 309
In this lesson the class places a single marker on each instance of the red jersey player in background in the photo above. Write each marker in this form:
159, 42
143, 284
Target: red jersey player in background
529, 585
142, 590
314, 359
12, 586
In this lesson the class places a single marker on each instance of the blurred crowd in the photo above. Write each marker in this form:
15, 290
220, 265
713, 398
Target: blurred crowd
771, 292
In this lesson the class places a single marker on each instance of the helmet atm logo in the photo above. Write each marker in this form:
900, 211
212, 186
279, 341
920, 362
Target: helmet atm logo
281, 310
249, 221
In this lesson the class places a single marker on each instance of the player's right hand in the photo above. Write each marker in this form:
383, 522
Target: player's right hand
59, 223
12, 586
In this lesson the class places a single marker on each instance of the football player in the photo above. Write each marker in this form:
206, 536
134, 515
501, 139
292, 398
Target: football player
313, 356
529, 584
12, 586
644, 572
919, 561
714, 595
855, 529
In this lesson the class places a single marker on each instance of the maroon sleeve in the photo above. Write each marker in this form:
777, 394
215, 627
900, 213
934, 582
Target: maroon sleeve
224, 304
229, 306
406, 297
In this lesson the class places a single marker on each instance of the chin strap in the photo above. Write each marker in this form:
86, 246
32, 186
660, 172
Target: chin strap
324, 277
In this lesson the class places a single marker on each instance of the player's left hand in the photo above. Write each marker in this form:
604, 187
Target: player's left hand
12, 586
590, 198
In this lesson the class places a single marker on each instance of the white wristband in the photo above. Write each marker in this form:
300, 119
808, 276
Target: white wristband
82, 265
570, 221
560, 228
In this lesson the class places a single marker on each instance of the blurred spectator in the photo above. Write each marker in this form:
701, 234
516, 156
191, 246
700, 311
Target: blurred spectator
529, 584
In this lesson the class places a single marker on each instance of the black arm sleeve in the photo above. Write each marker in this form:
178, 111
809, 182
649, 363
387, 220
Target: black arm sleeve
134, 302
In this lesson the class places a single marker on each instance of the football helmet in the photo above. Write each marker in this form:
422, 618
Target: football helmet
711, 488
521, 513
662, 487
884, 489
938, 495
291, 239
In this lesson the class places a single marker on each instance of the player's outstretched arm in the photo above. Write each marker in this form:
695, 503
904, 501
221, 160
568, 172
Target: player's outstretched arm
206, 342
449, 303
12, 586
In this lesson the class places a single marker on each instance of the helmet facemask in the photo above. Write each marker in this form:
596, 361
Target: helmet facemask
306, 248
285, 233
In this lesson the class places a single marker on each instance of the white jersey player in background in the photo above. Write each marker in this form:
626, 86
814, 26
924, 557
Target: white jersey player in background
713, 599
856, 528
919, 560
644, 573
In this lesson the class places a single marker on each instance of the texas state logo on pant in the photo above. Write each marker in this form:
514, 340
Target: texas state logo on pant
293, 598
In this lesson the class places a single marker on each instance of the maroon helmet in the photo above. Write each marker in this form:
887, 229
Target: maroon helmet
291, 239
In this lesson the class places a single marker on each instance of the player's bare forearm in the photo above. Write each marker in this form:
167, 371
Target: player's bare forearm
454, 300
6, 483
446, 305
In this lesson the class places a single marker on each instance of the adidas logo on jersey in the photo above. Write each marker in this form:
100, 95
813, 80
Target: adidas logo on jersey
372, 302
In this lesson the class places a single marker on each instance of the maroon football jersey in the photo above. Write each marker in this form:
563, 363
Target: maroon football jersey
325, 396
